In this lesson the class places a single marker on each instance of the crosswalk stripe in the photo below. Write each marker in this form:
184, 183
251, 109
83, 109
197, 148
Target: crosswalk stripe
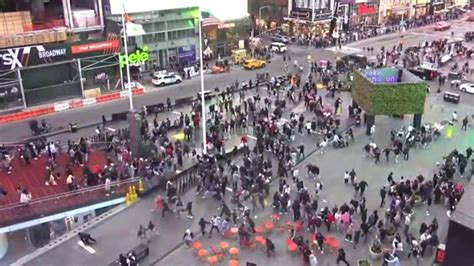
87, 248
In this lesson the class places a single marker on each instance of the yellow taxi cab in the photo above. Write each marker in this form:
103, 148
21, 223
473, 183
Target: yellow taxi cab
253, 63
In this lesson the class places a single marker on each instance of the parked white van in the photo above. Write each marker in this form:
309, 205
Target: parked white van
278, 47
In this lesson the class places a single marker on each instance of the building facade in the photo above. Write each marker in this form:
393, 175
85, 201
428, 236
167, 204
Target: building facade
171, 36
34, 37
266, 14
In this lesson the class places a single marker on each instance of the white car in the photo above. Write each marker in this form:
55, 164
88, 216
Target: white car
166, 79
467, 87
278, 47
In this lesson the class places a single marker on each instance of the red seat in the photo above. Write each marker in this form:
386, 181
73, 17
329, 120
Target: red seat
292, 247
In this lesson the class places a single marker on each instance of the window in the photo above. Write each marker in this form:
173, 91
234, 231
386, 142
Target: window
159, 37
181, 34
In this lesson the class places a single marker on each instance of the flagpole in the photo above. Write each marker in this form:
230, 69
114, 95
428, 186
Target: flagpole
203, 100
125, 42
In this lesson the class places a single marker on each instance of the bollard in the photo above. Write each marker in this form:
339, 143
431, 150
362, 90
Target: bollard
128, 199
134, 194
141, 188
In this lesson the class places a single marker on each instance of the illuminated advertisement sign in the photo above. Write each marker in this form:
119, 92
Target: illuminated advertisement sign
19, 57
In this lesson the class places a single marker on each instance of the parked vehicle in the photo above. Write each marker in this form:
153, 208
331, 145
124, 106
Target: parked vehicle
280, 38
166, 79
469, 36
278, 47
467, 87
423, 73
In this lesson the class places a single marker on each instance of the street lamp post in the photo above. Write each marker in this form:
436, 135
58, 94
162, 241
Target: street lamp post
125, 42
203, 99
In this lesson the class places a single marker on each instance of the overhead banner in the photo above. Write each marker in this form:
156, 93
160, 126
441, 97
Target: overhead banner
19, 57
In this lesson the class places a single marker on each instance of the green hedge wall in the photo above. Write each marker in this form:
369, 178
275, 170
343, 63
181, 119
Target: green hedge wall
389, 99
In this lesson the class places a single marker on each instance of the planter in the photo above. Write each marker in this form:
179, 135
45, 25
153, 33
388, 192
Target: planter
417, 200
375, 255
364, 262
390, 237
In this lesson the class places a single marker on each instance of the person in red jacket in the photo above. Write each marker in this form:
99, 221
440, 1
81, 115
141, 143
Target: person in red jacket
329, 220
243, 140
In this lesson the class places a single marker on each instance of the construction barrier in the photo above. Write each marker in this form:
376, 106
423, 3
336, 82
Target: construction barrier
68, 105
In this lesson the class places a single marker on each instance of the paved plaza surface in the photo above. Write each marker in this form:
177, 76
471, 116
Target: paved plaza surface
118, 234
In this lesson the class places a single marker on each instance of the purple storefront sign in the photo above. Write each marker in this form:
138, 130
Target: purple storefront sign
187, 54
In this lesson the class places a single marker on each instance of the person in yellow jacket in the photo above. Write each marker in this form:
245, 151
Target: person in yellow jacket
450, 131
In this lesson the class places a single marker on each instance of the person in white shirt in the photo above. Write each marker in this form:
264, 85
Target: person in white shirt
346, 177
53, 150
454, 115
323, 146
25, 197
313, 261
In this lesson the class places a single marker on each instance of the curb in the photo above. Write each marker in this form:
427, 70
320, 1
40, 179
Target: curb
68, 105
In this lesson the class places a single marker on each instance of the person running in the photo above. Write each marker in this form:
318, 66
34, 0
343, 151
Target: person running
341, 256
86, 238
215, 222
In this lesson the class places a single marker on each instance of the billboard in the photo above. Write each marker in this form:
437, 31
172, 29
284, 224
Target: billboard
187, 54
19, 57
223, 10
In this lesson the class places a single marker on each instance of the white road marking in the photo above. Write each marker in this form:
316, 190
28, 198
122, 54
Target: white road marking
229, 189
176, 112
252, 137
345, 50
87, 248
110, 129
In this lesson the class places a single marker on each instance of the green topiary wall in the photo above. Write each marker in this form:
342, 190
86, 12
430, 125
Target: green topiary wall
389, 99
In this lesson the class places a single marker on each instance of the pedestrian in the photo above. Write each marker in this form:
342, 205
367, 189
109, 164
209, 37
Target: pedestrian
141, 234
320, 240
86, 238
168, 103
165, 208
188, 237
269, 246
386, 151
362, 186
152, 228
406, 153
356, 237
465, 121
189, 209
313, 260
215, 222
202, 225
341, 256
406, 227
383, 193
346, 177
